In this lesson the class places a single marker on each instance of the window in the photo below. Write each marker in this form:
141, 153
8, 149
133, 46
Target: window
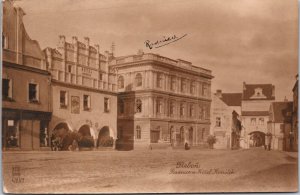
121, 107
218, 121
106, 105
158, 106
100, 77
33, 93
138, 132
261, 121
253, 121
159, 80
172, 108
6, 89
138, 80
138, 105
4, 42
63, 99
193, 87
173, 83
204, 89
69, 68
121, 82
202, 133
12, 134
191, 110
86, 102
204, 114
183, 85
181, 109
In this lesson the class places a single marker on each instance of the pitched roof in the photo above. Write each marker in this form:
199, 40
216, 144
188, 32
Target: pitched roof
232, 99
282, 111
255, 113
266, 93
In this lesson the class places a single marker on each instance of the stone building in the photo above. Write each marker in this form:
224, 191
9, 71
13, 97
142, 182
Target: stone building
279, 125
161, 101
225, 119
83, 91
294, 131
26, 108
256, 100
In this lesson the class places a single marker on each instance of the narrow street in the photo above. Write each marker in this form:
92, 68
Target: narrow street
151, 171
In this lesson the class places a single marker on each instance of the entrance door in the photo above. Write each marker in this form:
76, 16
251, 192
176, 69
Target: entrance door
26, 135
154, 136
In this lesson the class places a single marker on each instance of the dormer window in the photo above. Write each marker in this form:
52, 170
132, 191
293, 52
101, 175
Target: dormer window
258, 93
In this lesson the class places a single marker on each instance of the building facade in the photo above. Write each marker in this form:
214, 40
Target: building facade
279, 125
84, 95
26, 106
225, 119
161, 102
294, 132
256, 100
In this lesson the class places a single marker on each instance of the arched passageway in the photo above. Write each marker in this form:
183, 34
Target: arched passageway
257, 139
105, 139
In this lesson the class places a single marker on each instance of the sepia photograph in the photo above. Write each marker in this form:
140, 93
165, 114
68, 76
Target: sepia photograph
149, 96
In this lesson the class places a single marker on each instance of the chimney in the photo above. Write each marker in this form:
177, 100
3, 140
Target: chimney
74, 40
97, 48
62, 41
219, 93
244, 85
87, 42
140, 52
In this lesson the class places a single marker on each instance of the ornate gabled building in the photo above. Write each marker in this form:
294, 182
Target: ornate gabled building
161, 101
83, 90
256, 100
26, 106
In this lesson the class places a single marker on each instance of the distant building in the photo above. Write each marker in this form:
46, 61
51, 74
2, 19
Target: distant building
26, 106
161, 101
294, 132
84, 95
225, 119
256, 100
279, 125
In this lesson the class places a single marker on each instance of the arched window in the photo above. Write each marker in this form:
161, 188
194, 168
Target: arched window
138, 105
159, 80
138, 80
138, 131
121, 106
121, 82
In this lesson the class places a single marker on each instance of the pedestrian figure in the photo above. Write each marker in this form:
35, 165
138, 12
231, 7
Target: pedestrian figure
268, 141
186, 146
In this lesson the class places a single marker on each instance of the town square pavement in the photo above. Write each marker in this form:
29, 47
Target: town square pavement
195, 170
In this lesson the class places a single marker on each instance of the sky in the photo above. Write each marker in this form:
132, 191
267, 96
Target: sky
255, 41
